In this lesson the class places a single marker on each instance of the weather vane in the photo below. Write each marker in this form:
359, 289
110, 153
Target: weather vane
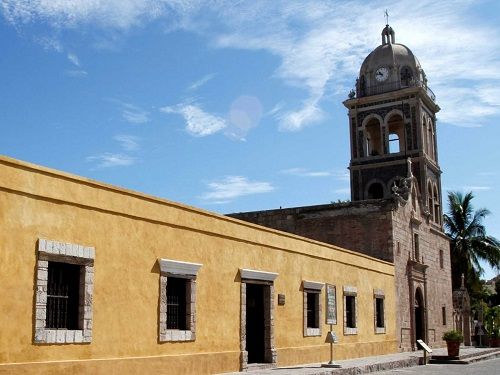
386, 17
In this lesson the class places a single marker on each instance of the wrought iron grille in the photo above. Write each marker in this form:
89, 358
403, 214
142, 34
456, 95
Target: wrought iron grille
63, 295
176, 303
393, 86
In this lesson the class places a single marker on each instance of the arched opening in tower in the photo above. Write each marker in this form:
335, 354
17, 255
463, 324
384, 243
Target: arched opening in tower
373, 138
430, 201
437, 214
396, 134
375, 191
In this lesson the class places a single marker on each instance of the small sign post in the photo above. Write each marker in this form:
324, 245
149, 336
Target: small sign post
331, 338
480, 333
426, 349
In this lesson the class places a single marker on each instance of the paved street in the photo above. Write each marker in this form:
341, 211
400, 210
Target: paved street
491, 366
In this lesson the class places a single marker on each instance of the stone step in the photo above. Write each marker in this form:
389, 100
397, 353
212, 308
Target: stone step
467, 358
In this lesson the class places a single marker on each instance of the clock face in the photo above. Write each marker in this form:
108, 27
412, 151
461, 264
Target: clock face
381, 74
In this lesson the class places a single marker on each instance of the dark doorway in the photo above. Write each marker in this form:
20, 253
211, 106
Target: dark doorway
419, 316
255, 327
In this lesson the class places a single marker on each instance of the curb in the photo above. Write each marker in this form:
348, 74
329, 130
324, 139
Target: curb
468, 359
384, 366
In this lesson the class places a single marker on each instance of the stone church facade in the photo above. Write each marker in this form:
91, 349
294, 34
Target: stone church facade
395, 209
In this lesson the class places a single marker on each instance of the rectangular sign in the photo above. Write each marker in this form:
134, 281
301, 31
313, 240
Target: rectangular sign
331, 304
424, 346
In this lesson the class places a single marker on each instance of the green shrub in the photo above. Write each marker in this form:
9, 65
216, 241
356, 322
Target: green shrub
492, 321
453, 336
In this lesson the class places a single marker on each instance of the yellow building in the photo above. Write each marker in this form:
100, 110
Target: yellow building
98, 279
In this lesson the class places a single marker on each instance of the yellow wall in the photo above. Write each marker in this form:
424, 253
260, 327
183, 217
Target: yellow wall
130, 232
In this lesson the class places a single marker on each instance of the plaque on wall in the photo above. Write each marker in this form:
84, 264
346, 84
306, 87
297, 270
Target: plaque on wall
331, 304
281, 299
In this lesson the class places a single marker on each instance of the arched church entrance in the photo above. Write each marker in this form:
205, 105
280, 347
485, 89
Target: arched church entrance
419, 316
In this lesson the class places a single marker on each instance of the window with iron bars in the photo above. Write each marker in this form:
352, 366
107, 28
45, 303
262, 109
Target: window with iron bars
64, 287
63, 295
312, 310
177, 290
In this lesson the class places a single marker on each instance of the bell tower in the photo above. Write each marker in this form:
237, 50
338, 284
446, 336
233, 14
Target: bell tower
392, 120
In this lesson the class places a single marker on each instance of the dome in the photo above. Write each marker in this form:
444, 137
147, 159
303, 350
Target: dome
390, 55
390, 66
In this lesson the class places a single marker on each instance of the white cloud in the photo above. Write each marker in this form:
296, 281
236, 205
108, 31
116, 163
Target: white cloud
117, 14
127, 142
302, 172
296, 120
49, 43
134, 114
202, 81
107, 160
232, 187
198, 122
320, 44
130, 112
74, 59
75, 73
276, 109
53, 44
321, 47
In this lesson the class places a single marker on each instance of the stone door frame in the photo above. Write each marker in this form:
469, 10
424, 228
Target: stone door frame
417, 279
266, 279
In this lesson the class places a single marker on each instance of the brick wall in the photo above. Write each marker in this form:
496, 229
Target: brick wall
360, 226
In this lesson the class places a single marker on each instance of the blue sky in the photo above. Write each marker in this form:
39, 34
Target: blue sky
236, 105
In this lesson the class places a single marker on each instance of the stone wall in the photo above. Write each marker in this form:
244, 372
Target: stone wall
364, 227
437, 284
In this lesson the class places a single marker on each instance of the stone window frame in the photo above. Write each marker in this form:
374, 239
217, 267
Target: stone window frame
441, 258
312, 287
182, 270
63, 252
353, 292
379, 294
443, 314
249, 276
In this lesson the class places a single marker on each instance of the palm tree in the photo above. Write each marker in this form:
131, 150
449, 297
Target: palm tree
469, 242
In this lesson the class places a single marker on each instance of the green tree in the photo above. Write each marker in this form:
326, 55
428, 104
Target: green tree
469, 242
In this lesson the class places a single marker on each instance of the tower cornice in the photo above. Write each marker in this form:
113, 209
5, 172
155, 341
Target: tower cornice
397, 95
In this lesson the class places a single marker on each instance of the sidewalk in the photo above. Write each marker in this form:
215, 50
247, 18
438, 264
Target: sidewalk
376, 363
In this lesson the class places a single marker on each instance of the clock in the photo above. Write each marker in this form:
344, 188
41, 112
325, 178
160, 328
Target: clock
381, 74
